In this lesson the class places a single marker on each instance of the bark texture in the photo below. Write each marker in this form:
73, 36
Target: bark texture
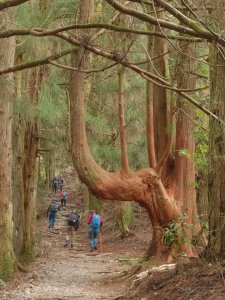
216, 184
7, 51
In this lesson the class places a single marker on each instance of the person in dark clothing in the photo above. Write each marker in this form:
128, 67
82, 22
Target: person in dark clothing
52, 213
60, 182
54, 185
72, 225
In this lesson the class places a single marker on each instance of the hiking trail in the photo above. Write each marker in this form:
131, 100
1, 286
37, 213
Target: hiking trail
61, 272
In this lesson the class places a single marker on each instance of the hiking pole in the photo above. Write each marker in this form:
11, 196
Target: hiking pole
100, 242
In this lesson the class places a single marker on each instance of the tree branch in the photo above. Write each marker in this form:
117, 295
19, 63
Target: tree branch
195, 30
44, 32
118, 59
83, 71
38, 62
147, 18
10, 3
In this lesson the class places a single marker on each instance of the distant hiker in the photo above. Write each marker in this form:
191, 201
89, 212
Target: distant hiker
60, 182
94, 225
73, 223
55, 185
52, 212
64, 196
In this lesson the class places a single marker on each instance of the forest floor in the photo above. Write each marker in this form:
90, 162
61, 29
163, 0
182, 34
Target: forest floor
116, 272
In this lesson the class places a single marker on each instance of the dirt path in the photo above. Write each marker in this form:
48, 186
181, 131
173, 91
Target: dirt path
64, 273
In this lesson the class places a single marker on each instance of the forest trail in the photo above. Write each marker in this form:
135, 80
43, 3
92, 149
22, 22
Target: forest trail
63, 273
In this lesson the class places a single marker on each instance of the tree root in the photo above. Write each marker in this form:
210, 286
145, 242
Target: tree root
21, 267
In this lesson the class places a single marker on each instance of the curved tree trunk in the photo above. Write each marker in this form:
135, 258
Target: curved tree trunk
144, 186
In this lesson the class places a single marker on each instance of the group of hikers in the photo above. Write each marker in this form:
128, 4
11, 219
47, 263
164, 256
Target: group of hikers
73, 219
57, 183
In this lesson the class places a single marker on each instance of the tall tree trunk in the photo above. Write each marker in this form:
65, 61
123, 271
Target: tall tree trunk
185, 192
7, 51
122, 123
17, 171
30, 169
123, 216
161, 102
216, 185
184, 173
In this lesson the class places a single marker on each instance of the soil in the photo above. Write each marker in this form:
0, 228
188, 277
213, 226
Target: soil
116, 272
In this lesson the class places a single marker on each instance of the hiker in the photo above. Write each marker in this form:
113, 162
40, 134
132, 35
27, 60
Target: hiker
73, 223
54, 185
64, 196
60, 182
52, 212
94, 226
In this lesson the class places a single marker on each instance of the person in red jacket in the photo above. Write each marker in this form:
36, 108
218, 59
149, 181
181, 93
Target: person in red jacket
95, 222
64, 196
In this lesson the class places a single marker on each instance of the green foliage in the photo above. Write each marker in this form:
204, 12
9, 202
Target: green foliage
138, 153
106, 155
23, 109
94, 203
27, 257
177, 232
222, 220
28, 15
2, 283
144, 261
184, 153
6, 265
126, 259
201, 153
124, 217
51, 107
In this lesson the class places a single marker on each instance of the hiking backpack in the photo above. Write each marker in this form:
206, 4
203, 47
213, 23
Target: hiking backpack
64, 195
54, 207
96, 221
73, 220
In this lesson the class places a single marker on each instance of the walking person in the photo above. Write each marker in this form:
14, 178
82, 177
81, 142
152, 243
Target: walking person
54, 185
95, 222
60, 182
52, 213
73, 223
64, 196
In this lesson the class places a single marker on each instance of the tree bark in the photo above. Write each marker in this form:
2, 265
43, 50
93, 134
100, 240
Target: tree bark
122, 123
7, 51
17, 170
184, 173
30, 169
216, 185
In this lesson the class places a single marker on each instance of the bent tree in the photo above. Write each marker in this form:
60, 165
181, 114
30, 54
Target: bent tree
145, 185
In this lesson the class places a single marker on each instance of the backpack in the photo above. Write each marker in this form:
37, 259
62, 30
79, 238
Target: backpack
64, 195
73, 220
54, 207
96, 221
61, 181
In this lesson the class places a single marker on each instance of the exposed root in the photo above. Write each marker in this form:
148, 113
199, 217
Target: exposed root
21, 267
